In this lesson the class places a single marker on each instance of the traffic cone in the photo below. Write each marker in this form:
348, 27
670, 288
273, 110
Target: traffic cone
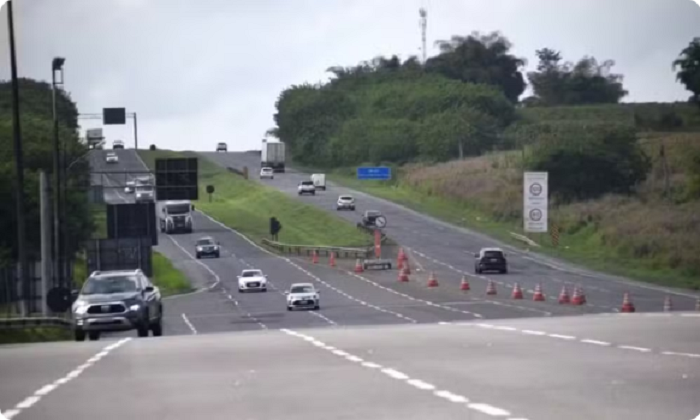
577, 299
583, 296
358, 266
491, 288
627, 305
407, 266
432, 281
538, 296
314, 257
564, 296
465, 284
403, 276
517, 292
331, 260
668, 306
401, 257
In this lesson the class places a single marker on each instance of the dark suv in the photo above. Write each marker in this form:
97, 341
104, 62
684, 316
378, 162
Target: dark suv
117, 301
490, 259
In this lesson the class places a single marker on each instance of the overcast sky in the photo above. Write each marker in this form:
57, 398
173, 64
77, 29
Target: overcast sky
200, 72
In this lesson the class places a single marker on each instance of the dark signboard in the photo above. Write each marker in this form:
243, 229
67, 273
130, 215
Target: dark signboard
134, 220
113, 116
119, 254
176, 179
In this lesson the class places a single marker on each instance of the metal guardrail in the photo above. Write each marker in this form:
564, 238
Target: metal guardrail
28, 322
340, 252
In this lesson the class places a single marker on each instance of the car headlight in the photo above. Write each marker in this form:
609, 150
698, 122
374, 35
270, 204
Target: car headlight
135, 307
199, 248
80, 308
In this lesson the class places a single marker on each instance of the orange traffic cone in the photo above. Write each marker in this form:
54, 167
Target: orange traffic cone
314, 257
668, 306
627, 305
432, 281
358, 266
577, 298
517, 292
401, 257
538, 296
564, 296
491, 288
403, 276
332, 259
465, 284
407, 266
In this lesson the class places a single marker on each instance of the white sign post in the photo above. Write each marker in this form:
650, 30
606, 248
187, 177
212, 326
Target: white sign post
535, 201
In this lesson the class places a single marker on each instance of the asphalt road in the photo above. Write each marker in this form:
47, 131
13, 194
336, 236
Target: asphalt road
586, 367
448, 251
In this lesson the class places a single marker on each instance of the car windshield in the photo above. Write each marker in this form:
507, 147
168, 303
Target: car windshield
109, 285
222, 144
205, 241
302, 289
144, 188
251, 274
178, 208
493, 254
308, 183
345, 198
373, 213
267, 169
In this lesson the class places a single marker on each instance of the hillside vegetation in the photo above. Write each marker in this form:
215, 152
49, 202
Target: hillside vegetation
624, 177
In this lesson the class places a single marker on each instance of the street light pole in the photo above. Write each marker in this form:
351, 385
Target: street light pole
56, 67
19, 169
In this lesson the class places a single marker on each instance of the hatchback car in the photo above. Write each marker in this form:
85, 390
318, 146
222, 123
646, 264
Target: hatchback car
345, 202
490, 259
268, 173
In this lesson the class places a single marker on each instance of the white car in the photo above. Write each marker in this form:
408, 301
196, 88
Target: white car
345, 202
306, 187
252, 280
303, 295
130, 186
267, 173
112, 157
144, 193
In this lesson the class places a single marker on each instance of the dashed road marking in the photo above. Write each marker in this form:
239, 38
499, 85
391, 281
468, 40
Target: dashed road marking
189, 324
635, 348
562, 336
46, 389
416, 383
596, 342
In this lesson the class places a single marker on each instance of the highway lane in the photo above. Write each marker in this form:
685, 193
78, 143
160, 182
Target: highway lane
585, 367
449, 250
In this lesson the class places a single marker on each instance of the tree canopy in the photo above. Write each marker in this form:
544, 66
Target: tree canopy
37, 138
688, 67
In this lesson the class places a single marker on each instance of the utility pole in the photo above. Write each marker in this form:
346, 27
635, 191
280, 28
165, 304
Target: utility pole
136, 133
56, 66
19, 168
423, 30
45, 205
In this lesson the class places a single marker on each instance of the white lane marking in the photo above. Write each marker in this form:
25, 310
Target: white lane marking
533, 332
424, 301
635, 348
562, 336
466, 273
505, 328
414, 382
217, 279
673, 353
189, 324
46, 389
354, 358
323, 317
245, 313
596, 342
298, 267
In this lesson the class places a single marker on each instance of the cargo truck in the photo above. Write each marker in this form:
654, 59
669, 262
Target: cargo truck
272, 155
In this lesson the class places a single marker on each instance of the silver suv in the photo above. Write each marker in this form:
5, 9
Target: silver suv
117, 301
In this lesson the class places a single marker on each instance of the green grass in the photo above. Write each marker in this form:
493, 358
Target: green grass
34, 335
247, 206
169, 279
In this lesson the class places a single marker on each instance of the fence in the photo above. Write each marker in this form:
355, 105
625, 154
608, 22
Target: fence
11, 290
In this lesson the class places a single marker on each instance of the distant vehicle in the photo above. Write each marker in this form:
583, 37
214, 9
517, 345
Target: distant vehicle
490, 259
117, 144
144, 193
273, 156
345, 202
373, 219
111, 157
207, 247
303, 295
130, 186
222, 147
319, 181
117, 301
306, 187
252, 280
267, 173
175, 216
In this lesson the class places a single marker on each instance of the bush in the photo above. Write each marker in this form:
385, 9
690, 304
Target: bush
152, 147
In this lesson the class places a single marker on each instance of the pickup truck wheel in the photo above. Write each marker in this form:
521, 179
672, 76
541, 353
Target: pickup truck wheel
94, 335
199, 256
157, 328
79, 335
289, 308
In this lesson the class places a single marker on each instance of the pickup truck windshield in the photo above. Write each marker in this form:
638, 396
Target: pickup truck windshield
178, 208
109, 285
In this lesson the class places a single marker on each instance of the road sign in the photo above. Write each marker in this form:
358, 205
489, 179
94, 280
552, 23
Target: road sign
176, 179
113, 116
535, 201
382, 173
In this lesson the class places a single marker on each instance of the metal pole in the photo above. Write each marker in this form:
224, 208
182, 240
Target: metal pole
19, 167
45, 205
136, 133
56, 188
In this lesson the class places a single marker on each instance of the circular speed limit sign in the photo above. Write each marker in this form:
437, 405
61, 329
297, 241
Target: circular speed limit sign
536, 189
536, 215
380, 221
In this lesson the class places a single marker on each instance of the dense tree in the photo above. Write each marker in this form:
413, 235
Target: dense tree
585, 82
37, 129
480, 58
688, 65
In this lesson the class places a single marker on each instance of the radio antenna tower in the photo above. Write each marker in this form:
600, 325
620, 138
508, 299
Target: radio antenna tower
423, 28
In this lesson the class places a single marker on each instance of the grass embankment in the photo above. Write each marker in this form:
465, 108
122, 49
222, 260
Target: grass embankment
247, 206
649, 236
34, 335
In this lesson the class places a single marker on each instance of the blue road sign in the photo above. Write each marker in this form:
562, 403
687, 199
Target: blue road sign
377, 173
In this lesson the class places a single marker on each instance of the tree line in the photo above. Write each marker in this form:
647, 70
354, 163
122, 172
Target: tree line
37, 138
466, 101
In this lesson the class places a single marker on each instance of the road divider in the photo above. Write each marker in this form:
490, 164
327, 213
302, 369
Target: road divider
316, 251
